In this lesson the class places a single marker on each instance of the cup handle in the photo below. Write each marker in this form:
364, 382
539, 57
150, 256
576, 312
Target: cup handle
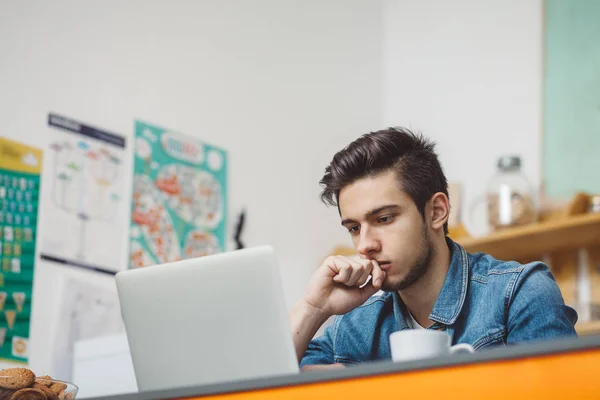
462, 348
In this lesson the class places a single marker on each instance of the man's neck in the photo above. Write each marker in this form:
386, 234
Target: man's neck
420, 297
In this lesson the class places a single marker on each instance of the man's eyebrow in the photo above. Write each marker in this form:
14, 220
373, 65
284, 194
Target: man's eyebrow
375, 211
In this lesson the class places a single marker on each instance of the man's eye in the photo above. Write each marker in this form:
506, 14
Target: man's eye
386, 219
353, 229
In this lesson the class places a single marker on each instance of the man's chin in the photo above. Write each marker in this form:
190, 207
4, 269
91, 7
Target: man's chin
394, 285
390, 286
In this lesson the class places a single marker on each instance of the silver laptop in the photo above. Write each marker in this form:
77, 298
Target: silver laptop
207, 320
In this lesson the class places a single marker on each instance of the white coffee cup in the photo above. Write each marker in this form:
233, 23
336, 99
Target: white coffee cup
414, 344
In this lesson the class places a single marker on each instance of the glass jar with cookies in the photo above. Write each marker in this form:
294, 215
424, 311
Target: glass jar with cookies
510, 196
23, 384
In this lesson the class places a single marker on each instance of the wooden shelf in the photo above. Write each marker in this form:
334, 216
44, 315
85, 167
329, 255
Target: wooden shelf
588, 328
570, 233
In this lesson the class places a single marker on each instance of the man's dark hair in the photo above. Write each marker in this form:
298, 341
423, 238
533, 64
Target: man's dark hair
409, 154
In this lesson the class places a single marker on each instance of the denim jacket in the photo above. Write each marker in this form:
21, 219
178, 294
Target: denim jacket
484, 302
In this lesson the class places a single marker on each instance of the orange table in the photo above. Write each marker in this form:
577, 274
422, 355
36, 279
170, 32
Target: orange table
549, 370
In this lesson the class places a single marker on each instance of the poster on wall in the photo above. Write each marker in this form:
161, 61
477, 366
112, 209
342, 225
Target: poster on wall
86, 311
83, 206
179, 197
20, 168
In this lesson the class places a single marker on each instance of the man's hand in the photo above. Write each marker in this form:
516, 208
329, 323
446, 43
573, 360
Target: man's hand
334, 289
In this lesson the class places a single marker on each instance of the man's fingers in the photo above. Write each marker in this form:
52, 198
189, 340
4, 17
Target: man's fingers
363, 279
378, 275
344, 270
350, 270
353, 271
335, 264
365, 282
368, 266
343, 275
358, 271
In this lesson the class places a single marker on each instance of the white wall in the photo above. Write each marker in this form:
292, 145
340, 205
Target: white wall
467, 73
280, 84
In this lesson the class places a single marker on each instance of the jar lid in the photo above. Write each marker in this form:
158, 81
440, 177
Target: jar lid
509, 163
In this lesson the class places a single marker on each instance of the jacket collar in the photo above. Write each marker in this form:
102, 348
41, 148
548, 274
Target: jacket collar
451, 299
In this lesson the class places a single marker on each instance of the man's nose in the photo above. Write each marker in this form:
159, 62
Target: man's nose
368, 243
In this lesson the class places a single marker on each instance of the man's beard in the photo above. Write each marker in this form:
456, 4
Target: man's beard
418, 269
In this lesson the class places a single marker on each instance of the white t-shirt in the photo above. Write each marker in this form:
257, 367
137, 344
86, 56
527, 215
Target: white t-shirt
412, 323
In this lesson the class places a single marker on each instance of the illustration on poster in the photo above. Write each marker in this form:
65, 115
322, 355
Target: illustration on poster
179, 194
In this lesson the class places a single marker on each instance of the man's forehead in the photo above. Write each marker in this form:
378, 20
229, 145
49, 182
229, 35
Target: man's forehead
358, 201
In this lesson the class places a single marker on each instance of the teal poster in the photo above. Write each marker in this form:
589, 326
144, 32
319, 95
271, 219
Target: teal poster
179, 205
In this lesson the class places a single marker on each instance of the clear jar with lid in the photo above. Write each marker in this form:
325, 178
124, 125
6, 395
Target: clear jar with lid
594, 205
510, 196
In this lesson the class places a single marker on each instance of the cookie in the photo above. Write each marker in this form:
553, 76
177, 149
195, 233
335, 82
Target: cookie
16, 378
6, 394
44, 380
29, 394
50, 395
58, 388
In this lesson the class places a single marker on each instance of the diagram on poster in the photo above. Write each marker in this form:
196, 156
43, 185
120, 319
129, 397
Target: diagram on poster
83, 208
179, 197
20, 168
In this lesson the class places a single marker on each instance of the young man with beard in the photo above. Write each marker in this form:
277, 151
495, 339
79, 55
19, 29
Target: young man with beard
392, 197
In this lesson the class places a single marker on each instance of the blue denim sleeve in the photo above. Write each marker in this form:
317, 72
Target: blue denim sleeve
320, 350
536, 309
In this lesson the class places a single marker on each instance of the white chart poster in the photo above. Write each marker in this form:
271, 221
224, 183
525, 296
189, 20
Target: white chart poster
83, 208
86, 311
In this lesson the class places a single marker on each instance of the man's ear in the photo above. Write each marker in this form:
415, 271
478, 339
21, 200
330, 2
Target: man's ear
440, 210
